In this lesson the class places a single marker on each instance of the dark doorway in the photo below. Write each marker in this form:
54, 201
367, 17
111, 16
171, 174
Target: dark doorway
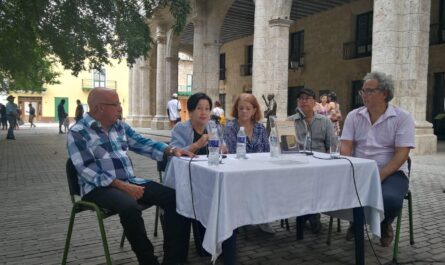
356, 99
292, 93
439, 105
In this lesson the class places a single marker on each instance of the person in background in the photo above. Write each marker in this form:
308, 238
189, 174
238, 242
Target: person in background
79, 111
62, 115
19, 120
11, 114
3, 117
320, 129
217, 113
384, 133
322, 107
192, 135
174, 110
105, 173
335, 113
247, 113
32, 115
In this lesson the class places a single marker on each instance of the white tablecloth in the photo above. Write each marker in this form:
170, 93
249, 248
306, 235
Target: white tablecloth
261, 189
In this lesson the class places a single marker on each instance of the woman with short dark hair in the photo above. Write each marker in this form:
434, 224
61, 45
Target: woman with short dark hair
192, 135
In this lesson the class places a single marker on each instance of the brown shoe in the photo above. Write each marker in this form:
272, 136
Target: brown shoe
387, 235
350, 232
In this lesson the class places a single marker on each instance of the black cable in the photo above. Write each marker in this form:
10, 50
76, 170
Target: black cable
195, 222
358, 197
191, 187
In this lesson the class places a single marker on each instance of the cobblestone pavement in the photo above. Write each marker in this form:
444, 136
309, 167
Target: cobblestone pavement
35, 209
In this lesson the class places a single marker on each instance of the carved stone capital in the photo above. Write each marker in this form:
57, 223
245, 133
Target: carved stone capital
215, 44
280, 22
172, 59
161, 39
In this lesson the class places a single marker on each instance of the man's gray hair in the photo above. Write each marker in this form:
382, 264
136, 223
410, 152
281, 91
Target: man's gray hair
385, 82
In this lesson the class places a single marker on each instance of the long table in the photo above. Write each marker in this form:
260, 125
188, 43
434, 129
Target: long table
261, 189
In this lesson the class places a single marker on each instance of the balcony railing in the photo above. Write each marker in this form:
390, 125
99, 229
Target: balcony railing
184, 90
352, 51
245, 69
349, 50
437, 34
88, 84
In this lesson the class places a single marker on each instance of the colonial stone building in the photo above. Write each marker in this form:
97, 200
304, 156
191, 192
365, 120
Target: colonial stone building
263, 46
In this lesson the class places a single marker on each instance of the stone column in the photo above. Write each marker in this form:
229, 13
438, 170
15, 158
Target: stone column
198, 56
206, 58
171, 70
136, 93
129, 116
211, 70
171, 75
279, 49
400, 48
153, 70
271, 51
145, 117
160, 121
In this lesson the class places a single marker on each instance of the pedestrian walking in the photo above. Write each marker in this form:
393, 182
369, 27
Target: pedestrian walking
32, 115
3, 117
62, 115
173, 110
12, 114
79, 111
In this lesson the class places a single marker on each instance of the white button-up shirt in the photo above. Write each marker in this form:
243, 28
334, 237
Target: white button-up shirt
395, 128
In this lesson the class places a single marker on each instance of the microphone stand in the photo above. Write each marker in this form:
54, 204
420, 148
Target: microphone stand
308, 133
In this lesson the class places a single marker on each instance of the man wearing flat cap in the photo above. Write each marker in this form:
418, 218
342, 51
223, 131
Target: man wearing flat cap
320, 130
11, 114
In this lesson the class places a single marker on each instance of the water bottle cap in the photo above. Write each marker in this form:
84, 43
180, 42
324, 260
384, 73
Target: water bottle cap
241, 128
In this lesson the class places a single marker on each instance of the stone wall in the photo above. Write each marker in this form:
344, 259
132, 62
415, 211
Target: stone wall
324, 66
236, 55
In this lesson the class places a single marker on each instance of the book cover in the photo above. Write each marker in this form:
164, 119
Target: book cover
287, 136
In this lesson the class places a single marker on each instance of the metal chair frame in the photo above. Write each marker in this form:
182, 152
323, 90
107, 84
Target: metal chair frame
80, 206
408, 197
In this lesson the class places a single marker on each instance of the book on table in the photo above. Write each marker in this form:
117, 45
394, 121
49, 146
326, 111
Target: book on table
287, 136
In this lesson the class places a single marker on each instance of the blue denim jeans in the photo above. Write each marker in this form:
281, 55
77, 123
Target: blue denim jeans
394, 188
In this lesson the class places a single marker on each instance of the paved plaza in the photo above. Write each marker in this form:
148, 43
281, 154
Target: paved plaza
35, 208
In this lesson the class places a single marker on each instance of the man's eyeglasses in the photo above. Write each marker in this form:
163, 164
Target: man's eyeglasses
305, 98
367, 91
118, 104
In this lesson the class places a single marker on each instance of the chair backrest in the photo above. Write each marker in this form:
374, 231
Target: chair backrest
161, 165
409, 166
73, 181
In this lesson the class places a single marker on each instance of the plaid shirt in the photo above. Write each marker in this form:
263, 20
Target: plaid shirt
101, 157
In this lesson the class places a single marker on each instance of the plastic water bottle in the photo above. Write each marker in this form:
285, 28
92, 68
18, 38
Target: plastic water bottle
241, 143
213, 145
273, 143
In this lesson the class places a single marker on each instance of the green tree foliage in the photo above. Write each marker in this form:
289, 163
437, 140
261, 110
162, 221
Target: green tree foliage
34, 34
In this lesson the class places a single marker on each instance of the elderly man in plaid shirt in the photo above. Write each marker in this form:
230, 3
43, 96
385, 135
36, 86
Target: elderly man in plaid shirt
98, 146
